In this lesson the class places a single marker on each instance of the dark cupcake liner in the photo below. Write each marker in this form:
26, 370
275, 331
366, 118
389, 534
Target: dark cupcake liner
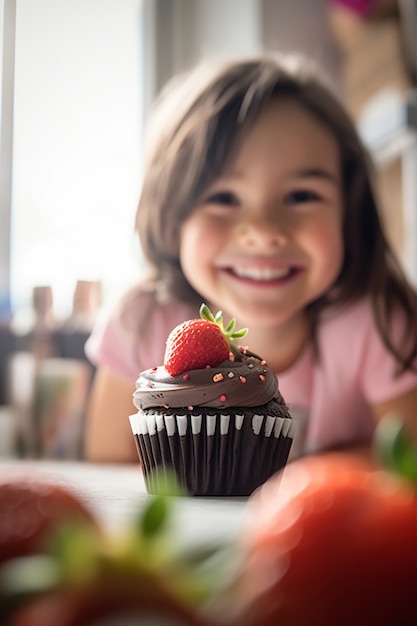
223, 454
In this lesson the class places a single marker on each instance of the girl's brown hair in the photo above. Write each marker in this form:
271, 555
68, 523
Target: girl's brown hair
196, 123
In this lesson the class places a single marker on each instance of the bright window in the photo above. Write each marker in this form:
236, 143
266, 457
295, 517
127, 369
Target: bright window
77, 146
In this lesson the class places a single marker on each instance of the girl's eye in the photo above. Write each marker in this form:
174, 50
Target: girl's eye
302, 196
222, 197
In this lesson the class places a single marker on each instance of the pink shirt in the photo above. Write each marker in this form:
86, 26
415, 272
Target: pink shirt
330, 397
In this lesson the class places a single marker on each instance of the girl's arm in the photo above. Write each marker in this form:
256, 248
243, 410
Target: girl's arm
405, 406
108, 436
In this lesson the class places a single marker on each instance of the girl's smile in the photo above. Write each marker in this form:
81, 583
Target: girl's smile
266, 238
260, 274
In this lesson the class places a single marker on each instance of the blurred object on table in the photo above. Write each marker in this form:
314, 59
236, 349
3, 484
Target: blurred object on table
35, 327
20, 397
61, 390
75, 330
34, 330
47, 375
7, 443
47, 399
7, 347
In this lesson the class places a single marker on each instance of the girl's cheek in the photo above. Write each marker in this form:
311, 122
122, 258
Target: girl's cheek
334, 249
328, 234
198, 228
195, 240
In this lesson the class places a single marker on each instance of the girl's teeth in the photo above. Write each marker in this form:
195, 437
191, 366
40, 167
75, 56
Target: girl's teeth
261, 273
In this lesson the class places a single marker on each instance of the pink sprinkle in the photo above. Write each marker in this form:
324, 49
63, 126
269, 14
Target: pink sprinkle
223, 398
217, 377
185, 377
208, 367
262, 377
231, 356
166, 406
242, 379
263, 362
189, 407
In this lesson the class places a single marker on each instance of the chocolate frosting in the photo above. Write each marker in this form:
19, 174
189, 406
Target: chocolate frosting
244, 382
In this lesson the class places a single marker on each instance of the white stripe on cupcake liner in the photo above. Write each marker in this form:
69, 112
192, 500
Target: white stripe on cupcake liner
182, 425
211, 425
151, 423
160, 422
224, 424
196, 424
293, 429
278, 426
170, 425
269, 425
239, 421
135, 424
286, 427
257, 421
139, 425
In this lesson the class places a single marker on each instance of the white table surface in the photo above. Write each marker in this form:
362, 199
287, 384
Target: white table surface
116, 492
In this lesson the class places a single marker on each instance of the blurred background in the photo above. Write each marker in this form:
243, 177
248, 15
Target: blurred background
77, 80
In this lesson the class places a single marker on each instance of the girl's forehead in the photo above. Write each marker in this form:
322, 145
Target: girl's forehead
287, 128
287, 111
287, 116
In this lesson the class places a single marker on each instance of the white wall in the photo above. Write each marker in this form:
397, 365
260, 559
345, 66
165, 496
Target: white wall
187, 30
229, 27
7, 33
77, 144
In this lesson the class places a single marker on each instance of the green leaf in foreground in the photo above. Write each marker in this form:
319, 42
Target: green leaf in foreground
394, 449
155, 516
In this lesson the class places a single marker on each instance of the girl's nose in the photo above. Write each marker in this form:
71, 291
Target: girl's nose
262, 233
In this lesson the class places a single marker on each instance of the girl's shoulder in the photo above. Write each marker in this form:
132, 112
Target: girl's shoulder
131, 337
149, 323
349, 330
351, 347
357, 320
357, 316
140, 310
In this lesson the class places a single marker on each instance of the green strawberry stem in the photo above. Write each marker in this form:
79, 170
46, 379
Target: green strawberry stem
394, 449
229, 332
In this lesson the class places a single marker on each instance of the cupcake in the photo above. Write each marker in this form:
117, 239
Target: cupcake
212, 414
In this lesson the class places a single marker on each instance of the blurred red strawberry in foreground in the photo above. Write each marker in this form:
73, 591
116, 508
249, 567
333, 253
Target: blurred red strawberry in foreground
80, 576
331, 542
30, 508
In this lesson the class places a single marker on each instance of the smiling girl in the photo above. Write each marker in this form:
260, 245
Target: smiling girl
258, 199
